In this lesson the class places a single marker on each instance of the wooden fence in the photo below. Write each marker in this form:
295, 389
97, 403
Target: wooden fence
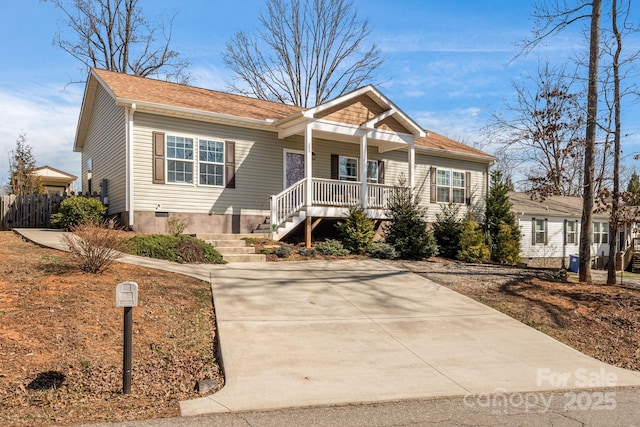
29, 211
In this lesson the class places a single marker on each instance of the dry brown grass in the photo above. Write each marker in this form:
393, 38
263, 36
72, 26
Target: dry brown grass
61, 340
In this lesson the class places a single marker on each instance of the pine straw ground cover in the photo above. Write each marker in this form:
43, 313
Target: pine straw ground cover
61, 340
598, 320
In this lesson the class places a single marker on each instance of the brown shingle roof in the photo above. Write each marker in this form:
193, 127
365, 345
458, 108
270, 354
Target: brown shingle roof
140, 89
176, 95
439, 142
553, 206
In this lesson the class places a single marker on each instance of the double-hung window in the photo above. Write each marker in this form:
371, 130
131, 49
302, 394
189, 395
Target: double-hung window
443, 186
189, 159
348, 169
211, 162
601, 233
458, 187
179, 159
572, 232
372, 171
540, 232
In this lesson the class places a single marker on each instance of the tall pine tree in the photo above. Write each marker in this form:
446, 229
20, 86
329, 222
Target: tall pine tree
503, 234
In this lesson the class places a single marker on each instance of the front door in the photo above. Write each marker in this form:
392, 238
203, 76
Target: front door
293, 167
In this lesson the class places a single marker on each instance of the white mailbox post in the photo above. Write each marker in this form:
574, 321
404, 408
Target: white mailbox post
127, 297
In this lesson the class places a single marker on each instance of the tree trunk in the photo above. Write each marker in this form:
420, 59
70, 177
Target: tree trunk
614, 221
590, 145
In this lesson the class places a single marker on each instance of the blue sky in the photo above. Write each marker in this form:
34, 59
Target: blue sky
448, 64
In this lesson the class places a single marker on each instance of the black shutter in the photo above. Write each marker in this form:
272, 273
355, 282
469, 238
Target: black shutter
467, 190
335, 160
158, 157
380, 171
230, 163
533, 231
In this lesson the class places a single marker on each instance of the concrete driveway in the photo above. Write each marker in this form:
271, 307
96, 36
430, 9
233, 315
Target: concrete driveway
337, 332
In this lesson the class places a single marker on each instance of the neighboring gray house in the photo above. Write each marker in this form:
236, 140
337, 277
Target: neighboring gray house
227, 163
550, 230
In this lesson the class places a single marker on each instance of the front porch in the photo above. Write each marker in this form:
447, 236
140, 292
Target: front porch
329, 199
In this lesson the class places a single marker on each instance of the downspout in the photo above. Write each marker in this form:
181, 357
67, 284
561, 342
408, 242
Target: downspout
129, 165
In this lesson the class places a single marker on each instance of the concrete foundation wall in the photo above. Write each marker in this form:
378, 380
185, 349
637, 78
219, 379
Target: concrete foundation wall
156, 222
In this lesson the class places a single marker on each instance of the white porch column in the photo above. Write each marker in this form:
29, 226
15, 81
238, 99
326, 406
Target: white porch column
412, 166
308, 169
363, 171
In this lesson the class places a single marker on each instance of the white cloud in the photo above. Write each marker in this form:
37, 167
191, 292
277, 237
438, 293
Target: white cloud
48, 115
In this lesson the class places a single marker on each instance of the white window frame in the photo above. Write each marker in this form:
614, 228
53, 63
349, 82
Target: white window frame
574, 232
601, 237
449, 185
370, 178
446, 184
195, 161
207, 162
348, 178
538, 232
180, 160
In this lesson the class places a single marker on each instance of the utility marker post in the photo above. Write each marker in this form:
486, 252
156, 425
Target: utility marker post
127, 297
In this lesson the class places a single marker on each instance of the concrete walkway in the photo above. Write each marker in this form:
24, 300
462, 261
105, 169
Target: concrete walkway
336, 332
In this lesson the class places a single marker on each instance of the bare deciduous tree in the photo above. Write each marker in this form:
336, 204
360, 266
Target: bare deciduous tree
543, 129
308, 51
115, 35
551, 18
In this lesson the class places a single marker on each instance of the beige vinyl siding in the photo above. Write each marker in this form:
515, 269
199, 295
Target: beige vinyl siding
258, 169
105, 145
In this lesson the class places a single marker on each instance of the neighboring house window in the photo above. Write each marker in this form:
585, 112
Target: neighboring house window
601, 232
348, 169
372, 171
179, 159
211, 162
572, 232
539, 231
450, 186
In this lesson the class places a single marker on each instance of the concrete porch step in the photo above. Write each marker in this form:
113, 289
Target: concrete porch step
244, 257
235, 250
227, 243
223, 236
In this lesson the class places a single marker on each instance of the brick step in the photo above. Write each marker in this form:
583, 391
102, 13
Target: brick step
223, 236
227, 243
235, 250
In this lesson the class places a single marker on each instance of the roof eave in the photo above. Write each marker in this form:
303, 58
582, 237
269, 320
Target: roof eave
182, 111
449, 153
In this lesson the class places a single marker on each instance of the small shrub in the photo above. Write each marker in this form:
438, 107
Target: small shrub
447, 230
282, 252
95, 246
265, 251
357, 231
332, 247
175, 226
507, 244
181, 249
472, 245
76, 210
383, 250
407, 229
308, 252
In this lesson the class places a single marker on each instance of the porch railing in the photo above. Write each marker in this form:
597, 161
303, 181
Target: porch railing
326, 192
287, 203
379, 196
330, 192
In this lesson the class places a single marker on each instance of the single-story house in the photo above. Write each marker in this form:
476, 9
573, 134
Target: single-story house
550, 230
55, 181
226, 163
